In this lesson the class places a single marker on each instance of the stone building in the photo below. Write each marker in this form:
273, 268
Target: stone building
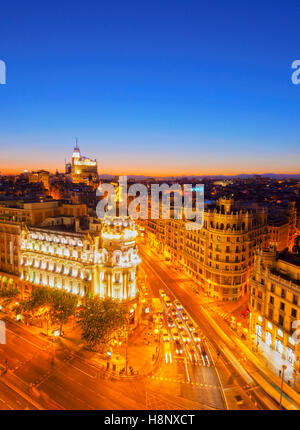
219, 257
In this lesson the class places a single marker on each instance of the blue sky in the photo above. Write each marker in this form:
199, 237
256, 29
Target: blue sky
154, 87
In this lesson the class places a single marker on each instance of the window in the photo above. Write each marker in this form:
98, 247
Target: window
271, 300
272, 288
258, 330
282, 306
294, 313
283, 293
278, 346
280, 320
295, 300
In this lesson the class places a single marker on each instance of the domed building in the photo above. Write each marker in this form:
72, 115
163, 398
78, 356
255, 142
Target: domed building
119, 262
100, 261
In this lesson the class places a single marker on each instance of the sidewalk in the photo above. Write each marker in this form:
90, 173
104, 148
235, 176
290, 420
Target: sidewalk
274, 361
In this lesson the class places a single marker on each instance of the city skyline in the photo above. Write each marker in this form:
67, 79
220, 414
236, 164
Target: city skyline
140, 171
160, 89
150, 208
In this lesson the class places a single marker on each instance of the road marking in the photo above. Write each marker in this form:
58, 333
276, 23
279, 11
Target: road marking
187, 370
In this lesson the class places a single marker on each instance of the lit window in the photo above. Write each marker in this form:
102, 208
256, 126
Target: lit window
291, 341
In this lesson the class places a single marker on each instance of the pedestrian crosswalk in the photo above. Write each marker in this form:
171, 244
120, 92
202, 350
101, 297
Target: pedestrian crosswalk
226, 316
182, 381
182, 359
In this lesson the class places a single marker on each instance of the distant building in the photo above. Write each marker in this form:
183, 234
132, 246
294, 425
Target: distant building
282, 227
83, 169
278, 231
40, 176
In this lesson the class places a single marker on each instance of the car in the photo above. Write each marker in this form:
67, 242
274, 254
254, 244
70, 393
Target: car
173, 311
178, 346
185, 337
184, 316
178, 304
179, 323
167, 301
175, 333
170, 322
162, 293
196, 336
166, 336
191, 326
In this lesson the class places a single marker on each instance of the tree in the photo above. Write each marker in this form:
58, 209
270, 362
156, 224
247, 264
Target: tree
58, 305
100, 319
7, 294
62, 306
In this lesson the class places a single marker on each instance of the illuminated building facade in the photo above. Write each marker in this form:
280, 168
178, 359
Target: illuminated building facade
83, 169
278, 232
13, 217
282, 228
219, 257
274, 302
101, 261
40, 176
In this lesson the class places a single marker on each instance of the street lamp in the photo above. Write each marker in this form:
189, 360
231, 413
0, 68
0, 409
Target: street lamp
253, 340
282, 375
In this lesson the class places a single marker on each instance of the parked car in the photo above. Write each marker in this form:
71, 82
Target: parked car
162, 293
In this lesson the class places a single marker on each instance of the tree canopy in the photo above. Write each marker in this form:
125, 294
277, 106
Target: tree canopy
59, 303
100, 319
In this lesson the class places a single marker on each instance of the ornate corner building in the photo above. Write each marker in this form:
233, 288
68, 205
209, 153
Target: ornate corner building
219, 256
49, 248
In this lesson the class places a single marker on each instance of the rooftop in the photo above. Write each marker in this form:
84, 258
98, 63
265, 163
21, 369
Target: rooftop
290, 258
